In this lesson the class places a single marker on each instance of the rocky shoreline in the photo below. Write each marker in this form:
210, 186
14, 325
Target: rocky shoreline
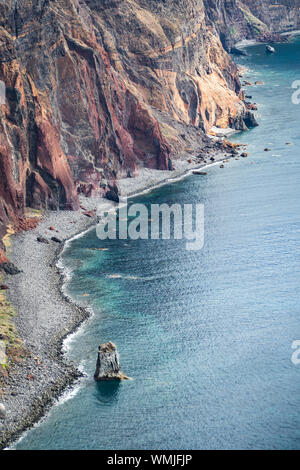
46, 316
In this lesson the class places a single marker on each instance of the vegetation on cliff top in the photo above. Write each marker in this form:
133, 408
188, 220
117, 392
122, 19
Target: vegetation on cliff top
256, 24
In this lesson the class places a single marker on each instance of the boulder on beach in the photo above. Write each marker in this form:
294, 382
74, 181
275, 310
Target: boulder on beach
10, 268
56, 240
91, 213
43, 240
108, 363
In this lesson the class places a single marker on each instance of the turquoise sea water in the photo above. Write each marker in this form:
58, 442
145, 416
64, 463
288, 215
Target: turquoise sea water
206, 336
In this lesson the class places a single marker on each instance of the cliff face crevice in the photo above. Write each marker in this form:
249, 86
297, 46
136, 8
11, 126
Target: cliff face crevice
95, 89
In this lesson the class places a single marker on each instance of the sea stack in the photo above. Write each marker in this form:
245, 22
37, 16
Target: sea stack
108, 363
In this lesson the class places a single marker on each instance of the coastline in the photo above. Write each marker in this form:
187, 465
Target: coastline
46, 315
45, 318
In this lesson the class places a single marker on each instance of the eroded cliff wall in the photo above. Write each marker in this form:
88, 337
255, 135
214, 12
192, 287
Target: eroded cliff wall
277, 15
94, 89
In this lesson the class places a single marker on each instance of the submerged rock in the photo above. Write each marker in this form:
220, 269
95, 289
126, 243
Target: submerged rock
108, 363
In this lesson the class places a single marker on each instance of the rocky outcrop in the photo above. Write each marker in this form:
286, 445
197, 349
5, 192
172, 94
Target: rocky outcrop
108, 363
97, 89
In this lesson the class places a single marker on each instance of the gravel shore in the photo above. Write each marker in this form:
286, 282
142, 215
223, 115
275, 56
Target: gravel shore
45, 317
43, 320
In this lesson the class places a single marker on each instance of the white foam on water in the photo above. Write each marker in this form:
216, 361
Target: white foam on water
134, 278
69, 340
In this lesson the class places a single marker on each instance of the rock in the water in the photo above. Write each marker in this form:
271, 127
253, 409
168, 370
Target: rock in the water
270, 49
251, 106
237, 51
2, 411
108, 363
9, 268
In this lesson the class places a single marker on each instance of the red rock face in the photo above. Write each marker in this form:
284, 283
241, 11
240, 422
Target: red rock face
3, 258
96, 89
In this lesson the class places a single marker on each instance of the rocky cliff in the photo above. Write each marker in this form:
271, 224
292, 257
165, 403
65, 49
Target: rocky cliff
276, 16
95, 89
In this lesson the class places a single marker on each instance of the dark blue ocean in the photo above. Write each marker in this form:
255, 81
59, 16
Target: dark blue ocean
205, 335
